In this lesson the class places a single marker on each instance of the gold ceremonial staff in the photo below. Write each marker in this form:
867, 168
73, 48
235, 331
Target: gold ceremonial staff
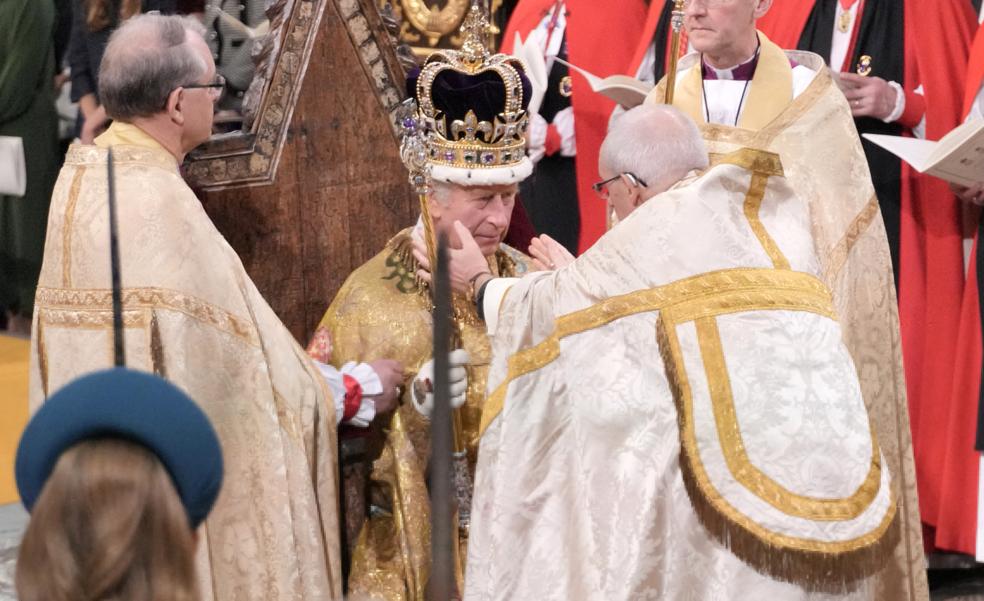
676, 21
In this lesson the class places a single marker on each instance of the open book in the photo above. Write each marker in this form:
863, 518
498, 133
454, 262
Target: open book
958, 157
626, 91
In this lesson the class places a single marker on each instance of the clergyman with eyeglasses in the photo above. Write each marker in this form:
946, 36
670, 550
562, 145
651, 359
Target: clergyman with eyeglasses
192, 315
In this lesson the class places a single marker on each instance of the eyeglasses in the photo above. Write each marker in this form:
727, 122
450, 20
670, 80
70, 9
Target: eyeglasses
215, 88
601, 188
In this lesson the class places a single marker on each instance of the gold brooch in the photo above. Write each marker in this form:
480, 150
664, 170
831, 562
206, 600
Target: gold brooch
864, 66
566, 87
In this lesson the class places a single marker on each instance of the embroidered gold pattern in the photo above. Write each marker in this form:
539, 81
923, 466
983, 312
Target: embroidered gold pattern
763, 165
818, 565
837, 256
93, 308
727, 286
68, 227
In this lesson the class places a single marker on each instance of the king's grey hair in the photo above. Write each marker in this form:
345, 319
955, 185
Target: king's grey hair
146, 59
441, 192
653, 142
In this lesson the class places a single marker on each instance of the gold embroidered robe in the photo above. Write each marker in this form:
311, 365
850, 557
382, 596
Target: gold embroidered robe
193, 316
676, 415
382, 311
821, 153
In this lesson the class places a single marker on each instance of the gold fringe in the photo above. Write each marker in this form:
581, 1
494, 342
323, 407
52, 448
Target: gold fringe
827, 572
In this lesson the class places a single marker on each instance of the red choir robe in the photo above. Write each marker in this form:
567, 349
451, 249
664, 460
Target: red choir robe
955, 526
928, 235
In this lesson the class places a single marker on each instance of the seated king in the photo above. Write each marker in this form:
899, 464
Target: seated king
464, 145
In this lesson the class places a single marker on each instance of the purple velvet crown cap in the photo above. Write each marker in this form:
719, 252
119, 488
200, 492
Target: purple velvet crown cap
454, 93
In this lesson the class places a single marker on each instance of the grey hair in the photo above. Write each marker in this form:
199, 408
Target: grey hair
146, 59
653, 142
441, 192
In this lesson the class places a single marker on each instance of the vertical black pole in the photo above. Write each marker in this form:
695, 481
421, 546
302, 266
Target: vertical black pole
114, 257
442, 580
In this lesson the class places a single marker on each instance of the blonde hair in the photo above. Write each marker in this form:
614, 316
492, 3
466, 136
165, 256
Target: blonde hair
97, 12
108, 526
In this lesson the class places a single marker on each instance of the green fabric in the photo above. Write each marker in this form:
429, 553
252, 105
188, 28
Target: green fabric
27, 110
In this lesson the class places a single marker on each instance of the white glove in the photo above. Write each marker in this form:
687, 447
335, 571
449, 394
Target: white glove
423, 384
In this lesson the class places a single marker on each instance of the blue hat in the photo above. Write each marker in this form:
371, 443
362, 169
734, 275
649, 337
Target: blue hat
136, 406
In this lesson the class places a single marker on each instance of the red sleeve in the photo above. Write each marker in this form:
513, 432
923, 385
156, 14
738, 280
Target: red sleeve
915, 110
353, 397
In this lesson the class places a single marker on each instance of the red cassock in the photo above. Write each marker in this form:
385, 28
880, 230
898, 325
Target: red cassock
942, 402
956, 521
602, 38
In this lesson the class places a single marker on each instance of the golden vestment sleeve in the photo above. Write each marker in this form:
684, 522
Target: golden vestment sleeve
383, 312
192, 315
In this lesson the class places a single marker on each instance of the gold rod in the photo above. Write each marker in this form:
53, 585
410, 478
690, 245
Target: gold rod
676, 21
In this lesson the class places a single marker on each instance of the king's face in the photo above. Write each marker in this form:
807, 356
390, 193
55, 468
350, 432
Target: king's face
485, 210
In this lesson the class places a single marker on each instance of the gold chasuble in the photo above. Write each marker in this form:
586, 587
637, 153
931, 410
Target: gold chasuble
192, 315
815, 137
384, 311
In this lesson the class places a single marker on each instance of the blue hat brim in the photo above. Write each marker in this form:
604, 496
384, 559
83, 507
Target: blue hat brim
132, 405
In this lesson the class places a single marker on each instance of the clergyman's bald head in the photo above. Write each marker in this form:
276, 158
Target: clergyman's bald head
146, 58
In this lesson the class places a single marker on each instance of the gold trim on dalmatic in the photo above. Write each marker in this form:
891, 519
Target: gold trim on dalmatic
718, 291
68, 227
833, 567
736, 457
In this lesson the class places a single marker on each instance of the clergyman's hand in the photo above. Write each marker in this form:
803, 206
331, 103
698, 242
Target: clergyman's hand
390, 374
548, 254
972, 194
868, 96
465, 264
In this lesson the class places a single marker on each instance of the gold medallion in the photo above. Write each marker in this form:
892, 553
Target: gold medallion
864, 66
845, 22
566, 87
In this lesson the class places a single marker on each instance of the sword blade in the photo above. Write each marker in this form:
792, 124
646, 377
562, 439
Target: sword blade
114, 258
441, 586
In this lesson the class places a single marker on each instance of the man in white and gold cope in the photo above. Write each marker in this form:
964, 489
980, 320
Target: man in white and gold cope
192, 315
744, 91
676, 410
